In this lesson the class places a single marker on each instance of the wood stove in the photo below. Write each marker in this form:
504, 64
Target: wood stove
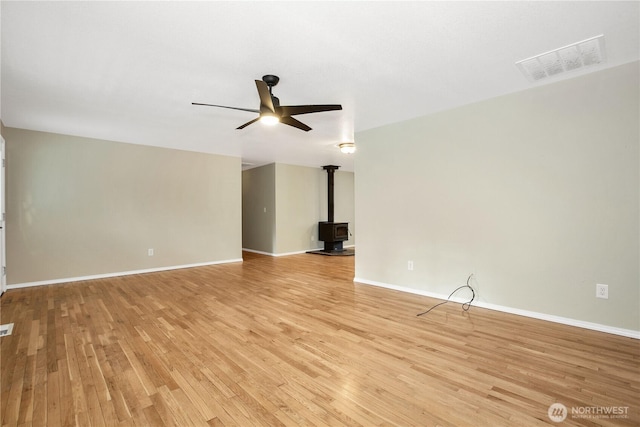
333, 234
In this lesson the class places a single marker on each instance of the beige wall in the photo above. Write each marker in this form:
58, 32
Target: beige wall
536, 193
344, 201
259, 208
296, 200
301, 202
80, 207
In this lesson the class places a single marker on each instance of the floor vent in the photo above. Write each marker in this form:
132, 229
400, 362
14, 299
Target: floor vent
567, 58
6, 329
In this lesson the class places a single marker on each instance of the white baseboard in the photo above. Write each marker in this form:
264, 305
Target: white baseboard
117, 274
288, 253
630, 333
257, 252
277, 255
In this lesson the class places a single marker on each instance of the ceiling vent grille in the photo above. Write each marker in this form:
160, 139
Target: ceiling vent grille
568, 58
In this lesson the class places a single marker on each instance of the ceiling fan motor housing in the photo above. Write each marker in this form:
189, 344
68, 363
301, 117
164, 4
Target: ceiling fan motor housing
270, 80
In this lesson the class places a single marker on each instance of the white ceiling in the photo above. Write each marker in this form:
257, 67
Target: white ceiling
128, 71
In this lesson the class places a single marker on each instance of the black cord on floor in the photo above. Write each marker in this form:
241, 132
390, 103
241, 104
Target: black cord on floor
466, 306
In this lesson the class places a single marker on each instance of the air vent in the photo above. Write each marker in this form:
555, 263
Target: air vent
6, 329
578, 55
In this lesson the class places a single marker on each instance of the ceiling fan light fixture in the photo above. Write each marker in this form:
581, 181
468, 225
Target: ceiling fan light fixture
347, 147
269, 119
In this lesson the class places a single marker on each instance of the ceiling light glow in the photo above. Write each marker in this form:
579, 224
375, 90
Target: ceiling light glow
269, 119
347, 147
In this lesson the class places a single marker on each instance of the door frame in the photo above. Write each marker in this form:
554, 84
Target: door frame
3, 246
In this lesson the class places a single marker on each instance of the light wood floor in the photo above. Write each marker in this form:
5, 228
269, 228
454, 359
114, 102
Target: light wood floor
293, 341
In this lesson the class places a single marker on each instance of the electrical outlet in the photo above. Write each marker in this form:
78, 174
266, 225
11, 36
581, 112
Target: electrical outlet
602, 291
150, 252
410, 265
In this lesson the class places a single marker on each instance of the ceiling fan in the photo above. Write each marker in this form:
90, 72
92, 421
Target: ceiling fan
271, 112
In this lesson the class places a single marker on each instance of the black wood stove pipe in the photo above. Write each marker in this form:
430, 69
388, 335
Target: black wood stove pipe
330, 171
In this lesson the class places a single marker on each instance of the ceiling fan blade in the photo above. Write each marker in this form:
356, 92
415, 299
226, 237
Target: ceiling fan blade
265, 96
224, 106
248, 123
295, 123
292, 110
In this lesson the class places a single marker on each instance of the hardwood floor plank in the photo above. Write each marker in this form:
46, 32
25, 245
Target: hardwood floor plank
12, 408
194, 393
77, 381
182, 409
94, 410
53, 400
152, 417
26, 402
39, 417
120, 406
164, 412
293, 341
67, 403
